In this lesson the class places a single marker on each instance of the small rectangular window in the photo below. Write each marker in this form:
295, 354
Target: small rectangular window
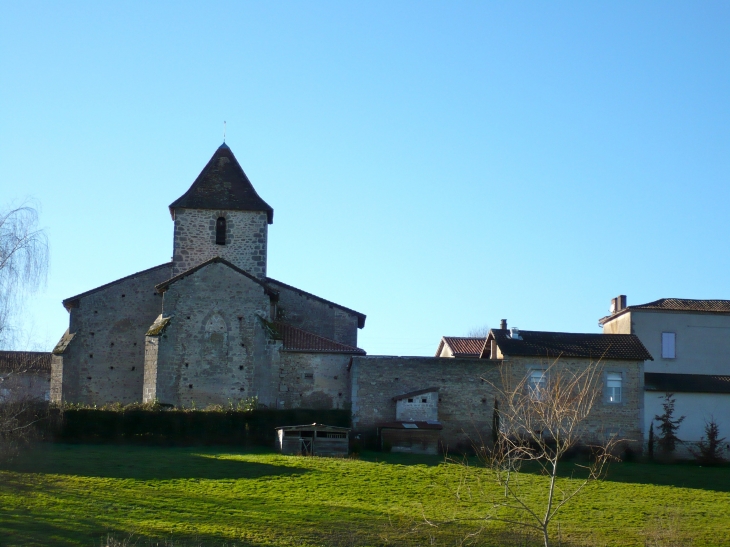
536, 384
669, 345
614, 381
410, 400
424, 400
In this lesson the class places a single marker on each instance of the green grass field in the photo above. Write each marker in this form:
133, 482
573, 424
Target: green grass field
77, 494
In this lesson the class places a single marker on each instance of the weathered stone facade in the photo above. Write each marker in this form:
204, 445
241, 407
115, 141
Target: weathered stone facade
195, 236
104, 361
314, 314
466, 396
313, 380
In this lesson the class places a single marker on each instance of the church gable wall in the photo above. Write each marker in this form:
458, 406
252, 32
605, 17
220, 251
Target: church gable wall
104, 363
303, 311
313, 380
195, 234
215, 348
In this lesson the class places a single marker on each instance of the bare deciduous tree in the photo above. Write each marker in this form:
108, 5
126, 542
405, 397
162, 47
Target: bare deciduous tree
541, 422
23, 263
478, 332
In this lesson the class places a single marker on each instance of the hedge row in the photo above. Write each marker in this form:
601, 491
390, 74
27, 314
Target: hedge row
184, 427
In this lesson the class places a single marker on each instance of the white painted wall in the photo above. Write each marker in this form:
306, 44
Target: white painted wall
697, 407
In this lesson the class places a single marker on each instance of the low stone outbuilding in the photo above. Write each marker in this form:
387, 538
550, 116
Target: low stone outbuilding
313, 440
25, 375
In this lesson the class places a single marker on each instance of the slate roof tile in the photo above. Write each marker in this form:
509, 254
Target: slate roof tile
569, 344
222, 184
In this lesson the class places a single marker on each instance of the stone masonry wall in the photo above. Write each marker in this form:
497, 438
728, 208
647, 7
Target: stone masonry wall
25, 385
466, 401
246, 239
313, 380
215, 348
104, 363
311, 314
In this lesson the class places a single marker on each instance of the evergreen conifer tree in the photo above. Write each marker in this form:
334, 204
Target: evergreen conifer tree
709, 450
650, 447
668, 426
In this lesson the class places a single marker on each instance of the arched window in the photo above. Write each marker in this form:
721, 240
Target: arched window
220, 231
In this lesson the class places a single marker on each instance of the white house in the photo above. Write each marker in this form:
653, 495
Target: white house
690, 343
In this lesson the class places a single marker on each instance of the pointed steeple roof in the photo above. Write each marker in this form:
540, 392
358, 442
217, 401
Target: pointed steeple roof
222, 184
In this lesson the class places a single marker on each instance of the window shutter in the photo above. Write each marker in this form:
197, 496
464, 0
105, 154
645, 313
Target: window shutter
668, 345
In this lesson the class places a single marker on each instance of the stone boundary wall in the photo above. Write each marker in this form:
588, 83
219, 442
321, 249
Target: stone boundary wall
465, 404
466, 398
314, 380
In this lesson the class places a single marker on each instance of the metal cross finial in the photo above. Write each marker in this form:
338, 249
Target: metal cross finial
224, 130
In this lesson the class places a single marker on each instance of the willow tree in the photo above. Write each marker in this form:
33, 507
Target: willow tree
23, 264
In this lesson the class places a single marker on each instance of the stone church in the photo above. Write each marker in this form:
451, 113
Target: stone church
209, 327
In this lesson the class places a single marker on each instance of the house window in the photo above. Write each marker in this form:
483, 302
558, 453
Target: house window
669, 345
220, 231
537, 383
613, 387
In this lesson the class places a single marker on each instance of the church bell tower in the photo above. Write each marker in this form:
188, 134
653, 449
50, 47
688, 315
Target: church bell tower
221, 215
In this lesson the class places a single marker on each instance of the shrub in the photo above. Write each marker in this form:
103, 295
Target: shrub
709, 450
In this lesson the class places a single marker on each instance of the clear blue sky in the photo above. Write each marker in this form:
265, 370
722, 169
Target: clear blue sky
435, 165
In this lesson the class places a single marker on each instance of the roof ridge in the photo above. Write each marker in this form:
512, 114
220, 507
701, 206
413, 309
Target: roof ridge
360, 315
165, 284
100, 287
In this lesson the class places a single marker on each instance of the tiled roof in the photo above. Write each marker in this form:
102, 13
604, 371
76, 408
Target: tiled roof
569, 344
222, 184
686, 383
685, 304
21, 361
676, 304
462, 346
296, 339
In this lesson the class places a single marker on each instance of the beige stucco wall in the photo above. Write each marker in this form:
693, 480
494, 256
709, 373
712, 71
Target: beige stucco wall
702, 342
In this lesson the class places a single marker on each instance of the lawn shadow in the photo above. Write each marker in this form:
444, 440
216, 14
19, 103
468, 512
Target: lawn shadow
680, 475
144, 463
